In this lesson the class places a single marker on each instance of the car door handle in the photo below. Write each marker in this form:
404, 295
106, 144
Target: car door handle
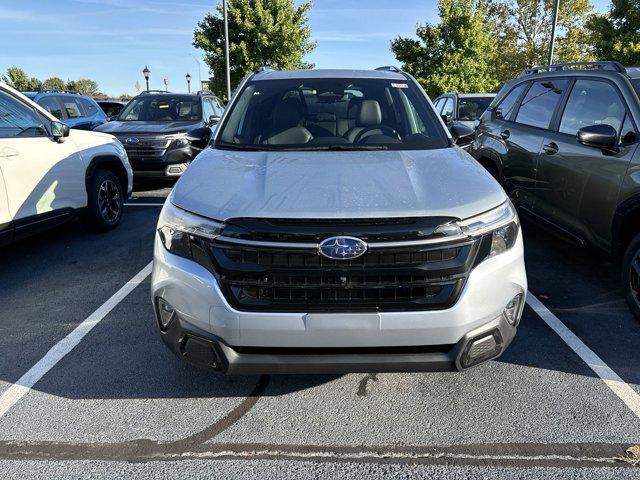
550, 148
7, 152
506, 134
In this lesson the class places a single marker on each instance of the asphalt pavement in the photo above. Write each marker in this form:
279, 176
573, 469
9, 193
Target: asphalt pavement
119, 404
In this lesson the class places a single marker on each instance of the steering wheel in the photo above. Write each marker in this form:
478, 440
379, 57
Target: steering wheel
388, 131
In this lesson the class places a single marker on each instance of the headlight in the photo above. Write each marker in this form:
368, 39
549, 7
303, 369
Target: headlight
501, 223
179, 139
177, 227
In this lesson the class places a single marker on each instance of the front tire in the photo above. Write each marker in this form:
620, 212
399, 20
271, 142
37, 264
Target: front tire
106, 201
631, 275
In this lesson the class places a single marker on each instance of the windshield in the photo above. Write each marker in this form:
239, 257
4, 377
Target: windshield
470, 109
340, 114
162, 108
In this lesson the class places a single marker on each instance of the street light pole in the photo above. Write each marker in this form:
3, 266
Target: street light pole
226, 48
199, 69
146, 73
556, 6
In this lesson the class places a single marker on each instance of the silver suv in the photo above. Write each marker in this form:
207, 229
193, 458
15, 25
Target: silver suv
334, 226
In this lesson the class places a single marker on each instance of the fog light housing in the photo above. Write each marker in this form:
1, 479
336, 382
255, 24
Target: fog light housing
481, 348
513, 310
166, 313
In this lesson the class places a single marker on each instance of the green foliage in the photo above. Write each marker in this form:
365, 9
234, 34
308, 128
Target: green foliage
18, 79
84, 86
262, 32
54, 83
616, 35
522, 29
455, 55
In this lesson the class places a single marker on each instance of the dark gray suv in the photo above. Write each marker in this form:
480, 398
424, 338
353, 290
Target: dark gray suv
563, 141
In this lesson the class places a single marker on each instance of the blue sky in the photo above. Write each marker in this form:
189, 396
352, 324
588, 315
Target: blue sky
111, 41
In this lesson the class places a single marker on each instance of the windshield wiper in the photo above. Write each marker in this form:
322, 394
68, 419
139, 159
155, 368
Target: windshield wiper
336, 147
246, 148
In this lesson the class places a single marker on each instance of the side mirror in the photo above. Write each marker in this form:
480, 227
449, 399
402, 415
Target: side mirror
462, 135
603, 136
200, 137
59, 131
446, 119
214, 120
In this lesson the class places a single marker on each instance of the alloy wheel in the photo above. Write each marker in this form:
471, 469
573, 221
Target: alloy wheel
109, 200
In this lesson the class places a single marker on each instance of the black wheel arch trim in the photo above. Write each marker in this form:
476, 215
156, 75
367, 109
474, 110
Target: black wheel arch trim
629, 207
112, 163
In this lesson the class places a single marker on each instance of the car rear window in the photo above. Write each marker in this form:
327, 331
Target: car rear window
540, 102
508, 103
470, 108
72, 107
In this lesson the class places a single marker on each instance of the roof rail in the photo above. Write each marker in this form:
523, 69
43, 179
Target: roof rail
72, 92
558, 67
145, 92
389, 68
264, 68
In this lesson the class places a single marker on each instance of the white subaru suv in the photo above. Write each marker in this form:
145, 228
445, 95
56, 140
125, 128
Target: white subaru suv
335, 226
49, 174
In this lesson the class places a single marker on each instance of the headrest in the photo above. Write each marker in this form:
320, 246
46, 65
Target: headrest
288, 113
353, 108
370, 114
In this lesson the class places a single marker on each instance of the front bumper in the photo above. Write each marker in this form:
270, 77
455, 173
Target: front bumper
172, 164
208, 331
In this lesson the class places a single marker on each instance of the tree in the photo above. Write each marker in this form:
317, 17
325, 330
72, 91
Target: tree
273, 33
54, 83
458, 54
84, 86
18, 79
616, 34
522, 29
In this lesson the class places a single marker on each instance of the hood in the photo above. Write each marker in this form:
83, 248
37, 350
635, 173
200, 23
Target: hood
222, 184
118, 128
88, 138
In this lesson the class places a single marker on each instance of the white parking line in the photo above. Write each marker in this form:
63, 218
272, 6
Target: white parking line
19, 389
627, 394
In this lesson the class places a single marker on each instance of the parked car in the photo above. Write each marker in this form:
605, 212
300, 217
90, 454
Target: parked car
49, 174
464, 108
162, 132
334, 226
563, 140
111, 108
71, 108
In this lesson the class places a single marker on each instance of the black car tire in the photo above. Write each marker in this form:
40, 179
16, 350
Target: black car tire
631, 275
105, 202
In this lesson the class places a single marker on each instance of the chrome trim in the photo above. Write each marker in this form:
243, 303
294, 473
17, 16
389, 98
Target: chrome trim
426, 241
258, 243
315, 246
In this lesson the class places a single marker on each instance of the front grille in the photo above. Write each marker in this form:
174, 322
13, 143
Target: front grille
147, 147
267, 277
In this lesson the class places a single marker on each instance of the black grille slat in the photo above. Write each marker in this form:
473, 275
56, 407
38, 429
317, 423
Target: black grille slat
414, 277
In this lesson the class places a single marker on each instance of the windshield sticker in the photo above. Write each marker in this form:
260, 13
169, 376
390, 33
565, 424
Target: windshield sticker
399, 85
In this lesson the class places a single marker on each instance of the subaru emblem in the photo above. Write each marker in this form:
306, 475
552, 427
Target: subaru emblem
342, 248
